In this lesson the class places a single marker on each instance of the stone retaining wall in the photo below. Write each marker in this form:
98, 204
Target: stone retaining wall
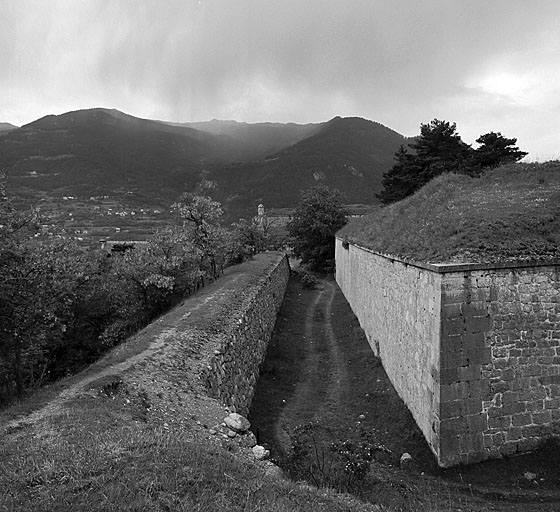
473, 351
232, 370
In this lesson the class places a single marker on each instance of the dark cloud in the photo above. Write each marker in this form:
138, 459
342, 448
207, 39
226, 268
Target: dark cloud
400, 62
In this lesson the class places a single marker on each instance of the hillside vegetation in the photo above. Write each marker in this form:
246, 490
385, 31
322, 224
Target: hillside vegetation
348, 154
510, 213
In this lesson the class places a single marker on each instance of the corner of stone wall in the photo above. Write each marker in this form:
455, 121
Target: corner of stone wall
464, 351
500, 363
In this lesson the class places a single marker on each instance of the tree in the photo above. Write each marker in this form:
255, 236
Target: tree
496, 150
439, 149
201, 216
316, 219
401, 180
39, 276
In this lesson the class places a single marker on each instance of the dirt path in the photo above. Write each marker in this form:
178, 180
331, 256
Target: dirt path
321, 384
323, 377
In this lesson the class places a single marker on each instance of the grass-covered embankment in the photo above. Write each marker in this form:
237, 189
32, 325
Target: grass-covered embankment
509, 214
90, 460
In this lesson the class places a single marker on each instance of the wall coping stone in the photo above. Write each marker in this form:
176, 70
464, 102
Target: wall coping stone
446, 268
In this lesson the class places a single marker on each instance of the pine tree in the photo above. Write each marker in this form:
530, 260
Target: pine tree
496, 150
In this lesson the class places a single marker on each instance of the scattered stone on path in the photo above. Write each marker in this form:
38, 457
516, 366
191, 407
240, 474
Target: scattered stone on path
237, 422
231, 433
406, 460
362, 417
529, 476
260, 452
212, 432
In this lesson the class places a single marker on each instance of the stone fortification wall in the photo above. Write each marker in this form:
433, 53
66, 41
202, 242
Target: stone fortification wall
485, 341
398, 307
239, 347
500, 345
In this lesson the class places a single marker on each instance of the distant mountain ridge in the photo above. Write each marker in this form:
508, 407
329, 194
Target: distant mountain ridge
7, 127
257, 139
103, 151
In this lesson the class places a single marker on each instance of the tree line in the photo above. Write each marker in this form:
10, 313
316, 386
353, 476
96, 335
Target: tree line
62, 306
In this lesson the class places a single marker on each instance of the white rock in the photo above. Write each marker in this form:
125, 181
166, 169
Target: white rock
406, 459
237, 422
260, 452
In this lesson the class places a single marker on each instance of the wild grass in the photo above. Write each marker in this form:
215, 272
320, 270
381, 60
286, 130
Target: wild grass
510, 213
75, 464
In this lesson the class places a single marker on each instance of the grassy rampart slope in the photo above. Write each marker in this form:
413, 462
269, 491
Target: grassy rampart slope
509, 214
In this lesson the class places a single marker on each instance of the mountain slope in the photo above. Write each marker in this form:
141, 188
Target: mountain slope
350, 154
4, 127
100, 151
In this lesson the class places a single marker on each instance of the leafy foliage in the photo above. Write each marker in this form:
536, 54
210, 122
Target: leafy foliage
316, 219
439, 149
62, 306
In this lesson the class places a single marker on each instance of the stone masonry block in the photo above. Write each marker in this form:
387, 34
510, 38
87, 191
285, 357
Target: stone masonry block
453, 391
513, 434
519, 420
452, 343
450, 359
473, 340
451, 310
453, 426
501, 422
452, 327
478, 324
542, 417
471, 406
469, 373
451, 409
449, 375
474, 309
535, 431
449, 444
478, 355
553, 403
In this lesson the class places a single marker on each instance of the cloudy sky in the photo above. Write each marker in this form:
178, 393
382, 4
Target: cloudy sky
488, 65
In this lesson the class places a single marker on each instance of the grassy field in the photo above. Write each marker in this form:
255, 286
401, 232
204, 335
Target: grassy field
510, 213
